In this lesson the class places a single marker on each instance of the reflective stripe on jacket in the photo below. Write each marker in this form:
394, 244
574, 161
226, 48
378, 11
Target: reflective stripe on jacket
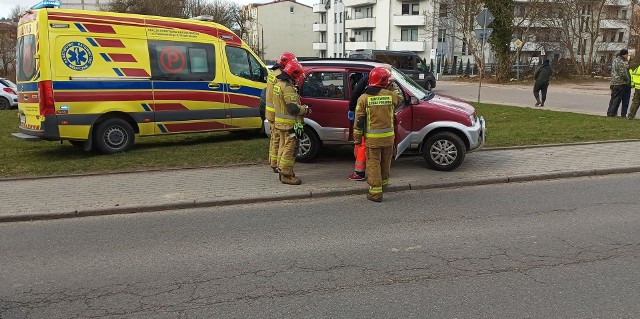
269, 111
286, 103
635, 78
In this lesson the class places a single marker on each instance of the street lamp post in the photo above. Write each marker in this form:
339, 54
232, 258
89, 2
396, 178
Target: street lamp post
261, 41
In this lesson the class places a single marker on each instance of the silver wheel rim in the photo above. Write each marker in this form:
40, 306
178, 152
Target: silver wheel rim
304, 146
443, 152
115, 137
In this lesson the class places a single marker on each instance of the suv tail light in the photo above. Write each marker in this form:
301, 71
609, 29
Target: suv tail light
45, 92
10, 91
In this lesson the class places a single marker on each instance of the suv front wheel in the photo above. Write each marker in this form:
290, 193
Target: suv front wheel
444, 151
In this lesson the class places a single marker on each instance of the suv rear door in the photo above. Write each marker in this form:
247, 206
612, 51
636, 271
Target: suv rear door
325, 91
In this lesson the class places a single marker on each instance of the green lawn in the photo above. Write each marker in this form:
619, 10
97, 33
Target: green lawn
506, 126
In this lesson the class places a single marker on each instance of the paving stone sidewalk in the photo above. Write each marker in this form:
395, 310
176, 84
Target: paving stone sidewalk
62, 197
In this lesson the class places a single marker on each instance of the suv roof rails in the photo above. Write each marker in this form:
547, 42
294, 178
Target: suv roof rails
338, 59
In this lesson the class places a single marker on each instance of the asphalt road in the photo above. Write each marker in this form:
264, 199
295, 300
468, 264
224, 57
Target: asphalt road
555, 249
588, 98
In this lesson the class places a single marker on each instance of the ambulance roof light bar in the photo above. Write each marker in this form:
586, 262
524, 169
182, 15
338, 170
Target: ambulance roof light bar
46, 4
203, 18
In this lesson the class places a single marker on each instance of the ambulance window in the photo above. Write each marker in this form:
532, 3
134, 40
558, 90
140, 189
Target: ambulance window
243, 64
26, 61
198, 60
181, 61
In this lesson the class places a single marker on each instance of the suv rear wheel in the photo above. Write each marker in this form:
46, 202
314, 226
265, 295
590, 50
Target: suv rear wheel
444, 151
308, 146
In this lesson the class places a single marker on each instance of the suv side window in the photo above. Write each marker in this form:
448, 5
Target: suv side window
181, 61
243, 64
330, 85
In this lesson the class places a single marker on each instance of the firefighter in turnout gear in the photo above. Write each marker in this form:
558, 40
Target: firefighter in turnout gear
374, 121
270, 114
288, 119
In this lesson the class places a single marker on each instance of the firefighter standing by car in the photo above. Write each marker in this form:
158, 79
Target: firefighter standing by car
374, 121
270, 114
288, 119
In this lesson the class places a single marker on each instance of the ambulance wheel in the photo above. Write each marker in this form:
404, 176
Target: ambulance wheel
444, 151
4, 104
114, 135
308, 146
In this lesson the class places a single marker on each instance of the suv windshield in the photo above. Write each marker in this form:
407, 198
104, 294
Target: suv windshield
407, 83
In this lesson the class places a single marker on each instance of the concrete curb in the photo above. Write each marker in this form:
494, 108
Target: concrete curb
20, 217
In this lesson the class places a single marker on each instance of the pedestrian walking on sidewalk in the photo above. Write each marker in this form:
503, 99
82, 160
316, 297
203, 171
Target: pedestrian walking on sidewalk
374, 121
619, 81
288, 119
542, 77
270, 114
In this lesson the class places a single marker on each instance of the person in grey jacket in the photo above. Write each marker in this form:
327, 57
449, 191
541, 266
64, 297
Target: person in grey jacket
542, 76
619, 81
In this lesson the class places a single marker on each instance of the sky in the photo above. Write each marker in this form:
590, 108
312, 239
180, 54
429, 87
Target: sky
6, 5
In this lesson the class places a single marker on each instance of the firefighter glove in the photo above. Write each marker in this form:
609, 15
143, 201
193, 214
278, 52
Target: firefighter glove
298, 128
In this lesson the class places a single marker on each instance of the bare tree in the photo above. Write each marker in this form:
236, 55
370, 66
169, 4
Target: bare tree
16, 12
222, 11
8, 33
457, 17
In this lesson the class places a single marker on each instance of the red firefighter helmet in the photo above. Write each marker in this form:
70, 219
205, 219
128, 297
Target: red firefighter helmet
285, 58
379, 76
294, 70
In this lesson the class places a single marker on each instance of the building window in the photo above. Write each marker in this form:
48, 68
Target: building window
620, 36
290, 9
442, 34
335, 17
409, 34
340, 17
335, 38
410, 9
444, 10
368, 36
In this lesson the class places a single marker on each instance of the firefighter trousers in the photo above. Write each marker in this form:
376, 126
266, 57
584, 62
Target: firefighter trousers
274, 142
378, 169
286, 153
360, 152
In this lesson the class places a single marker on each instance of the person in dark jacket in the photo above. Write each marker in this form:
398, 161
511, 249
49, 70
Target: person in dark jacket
542, 77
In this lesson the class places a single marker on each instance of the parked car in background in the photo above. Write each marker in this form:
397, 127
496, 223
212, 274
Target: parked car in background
409, 62
441, 128
8, 95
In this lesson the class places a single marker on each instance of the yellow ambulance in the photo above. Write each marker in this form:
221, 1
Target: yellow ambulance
98, 79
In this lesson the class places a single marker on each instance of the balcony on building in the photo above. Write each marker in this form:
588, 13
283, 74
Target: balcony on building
409, 20
416, 46
319, 27
320, 7
611, 46
355, 45
613, 24
360, 22
322, 46
358, 3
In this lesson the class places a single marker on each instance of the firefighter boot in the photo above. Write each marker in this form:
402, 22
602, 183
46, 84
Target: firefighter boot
290, 179
376, 198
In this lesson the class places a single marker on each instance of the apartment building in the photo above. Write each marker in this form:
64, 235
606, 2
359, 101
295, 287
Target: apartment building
427, 27
586, 32
347, 25
280, 26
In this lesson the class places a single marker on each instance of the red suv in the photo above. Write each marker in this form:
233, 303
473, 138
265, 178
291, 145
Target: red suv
441, 128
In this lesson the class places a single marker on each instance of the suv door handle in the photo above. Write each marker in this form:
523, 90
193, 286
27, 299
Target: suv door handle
234, 86
214, 85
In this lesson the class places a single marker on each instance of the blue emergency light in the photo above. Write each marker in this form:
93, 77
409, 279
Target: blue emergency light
46, 4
